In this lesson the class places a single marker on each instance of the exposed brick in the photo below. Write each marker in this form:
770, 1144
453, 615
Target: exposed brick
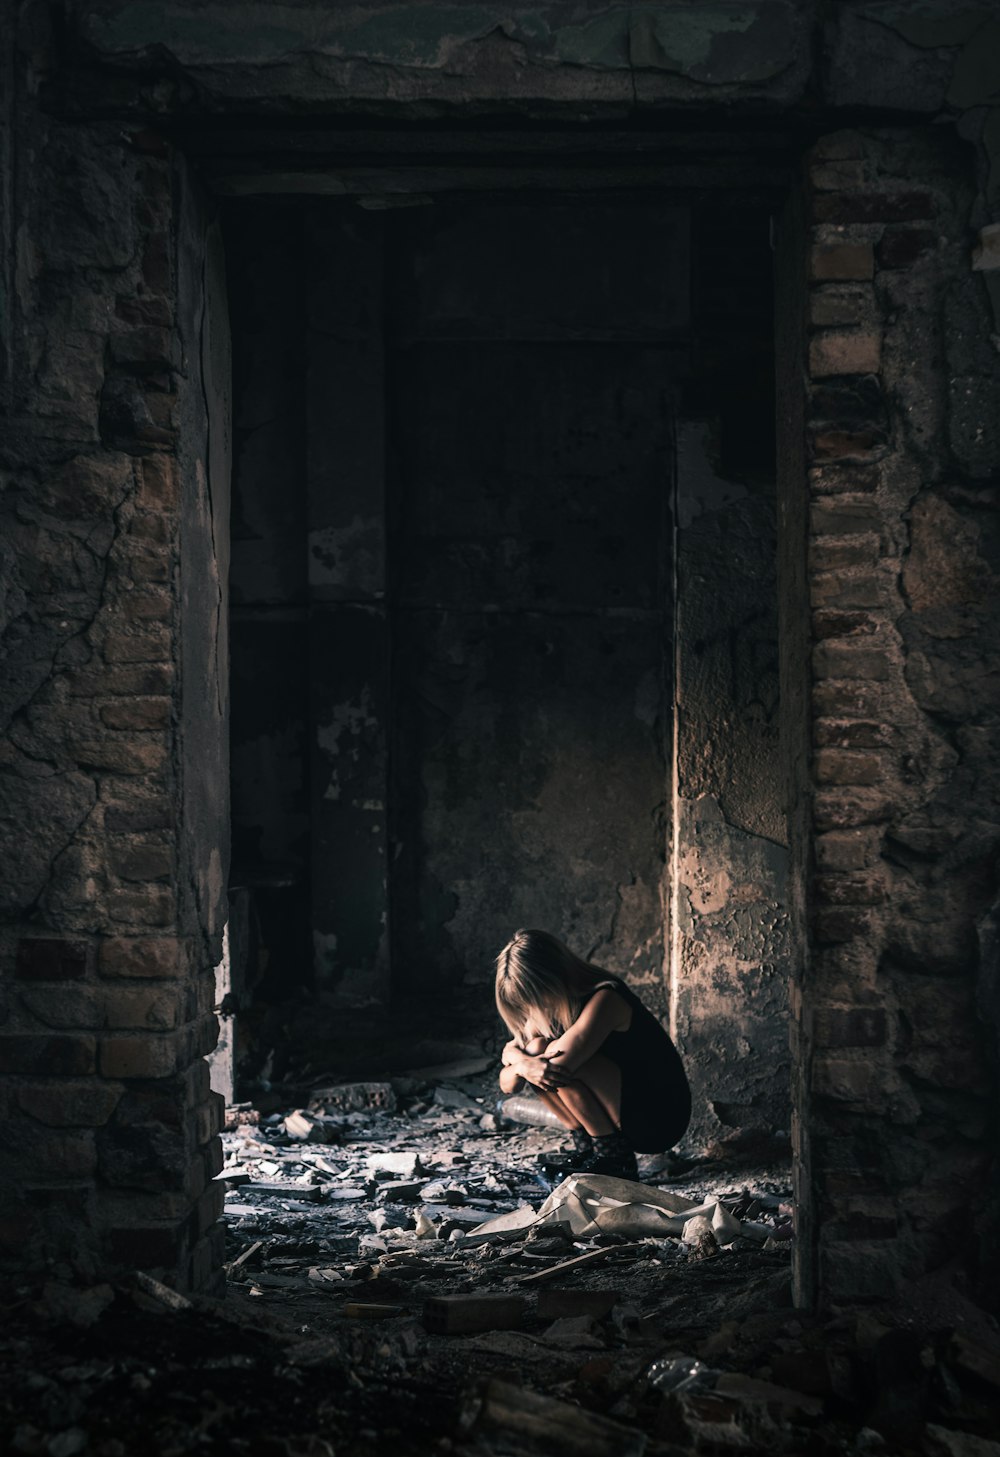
833, 924
829, 622
206, 1036
846, 766
122, 755
153, 528
852, 733
209, 1117
213, 1156
847, 1080
847, 849
838, 146
850, 1026
845, 261
152, 679
845, 658
137, 713
835, 554
835, 590
209, 1209
58, 1155
142, 862
873, 207
70, 1104
155, 905
151, 568
143, 348
152, 1247
198, 1083
844, 351
843, 809
846, 444
142, 956
48, 1056
159, 483
141, 645
837, 515
849, 890
838, 303
153, 1056
150, 1007
50, 959
826, 480
901, 247
835, 175
56, 1004
145, 310
141, 814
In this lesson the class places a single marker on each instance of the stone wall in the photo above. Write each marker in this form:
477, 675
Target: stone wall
110, 908
897, 1007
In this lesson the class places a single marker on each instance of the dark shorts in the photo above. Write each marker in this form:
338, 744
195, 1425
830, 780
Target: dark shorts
656, 1105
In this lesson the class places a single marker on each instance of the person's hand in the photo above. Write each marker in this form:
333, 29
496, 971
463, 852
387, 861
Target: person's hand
542, 1073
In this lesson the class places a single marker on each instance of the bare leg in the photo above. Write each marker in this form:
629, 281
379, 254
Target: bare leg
551, 1100
594, 1096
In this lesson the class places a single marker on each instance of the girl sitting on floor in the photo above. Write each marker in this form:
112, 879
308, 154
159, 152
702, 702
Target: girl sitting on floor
592, 1051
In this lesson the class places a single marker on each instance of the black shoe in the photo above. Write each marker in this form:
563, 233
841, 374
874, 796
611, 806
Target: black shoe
617, 1165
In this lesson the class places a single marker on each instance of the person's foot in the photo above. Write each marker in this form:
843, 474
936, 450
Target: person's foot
612, 1155
569, 1160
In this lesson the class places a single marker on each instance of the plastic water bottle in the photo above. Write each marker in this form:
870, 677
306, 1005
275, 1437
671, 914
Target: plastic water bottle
523, 1108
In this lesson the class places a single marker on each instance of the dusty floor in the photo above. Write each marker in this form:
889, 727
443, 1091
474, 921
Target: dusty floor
338, 1240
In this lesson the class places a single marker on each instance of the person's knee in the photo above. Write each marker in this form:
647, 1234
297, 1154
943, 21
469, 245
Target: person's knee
536, 1045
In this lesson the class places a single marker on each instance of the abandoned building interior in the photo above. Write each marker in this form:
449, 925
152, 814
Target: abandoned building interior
471, 467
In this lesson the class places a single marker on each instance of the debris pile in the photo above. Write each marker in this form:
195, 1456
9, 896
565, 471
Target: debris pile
404, 1277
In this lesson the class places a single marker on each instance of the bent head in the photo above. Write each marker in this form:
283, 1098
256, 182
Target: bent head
539, 982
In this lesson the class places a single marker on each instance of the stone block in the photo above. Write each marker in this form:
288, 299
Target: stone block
42, 958
845, 351
846, 658
838, 147
154, 605
48, 1056
151, 1007
137, 713
91, 485
847, 766
197, 1083
142, 956
143, 348
208, 1209
57, 1155
986, 253
152, 679
152, 1056
153, 529
69, 1104
143, 862
842, 261
944, 567
159, 488
151, 568
213, 1156
155, 905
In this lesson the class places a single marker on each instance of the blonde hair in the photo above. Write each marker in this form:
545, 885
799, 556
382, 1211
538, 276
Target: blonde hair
534, 971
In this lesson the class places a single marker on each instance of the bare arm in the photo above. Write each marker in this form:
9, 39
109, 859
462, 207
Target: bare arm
605, 1012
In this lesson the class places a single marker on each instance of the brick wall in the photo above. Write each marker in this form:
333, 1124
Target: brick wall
108, 1122
896, 1040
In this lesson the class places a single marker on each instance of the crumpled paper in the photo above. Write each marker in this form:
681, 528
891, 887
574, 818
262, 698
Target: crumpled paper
599, 1204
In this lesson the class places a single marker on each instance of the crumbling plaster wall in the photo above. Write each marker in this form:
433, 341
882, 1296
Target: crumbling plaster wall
886, 1015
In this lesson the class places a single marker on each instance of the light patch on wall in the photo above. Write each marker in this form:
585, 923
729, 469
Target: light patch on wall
348, 557
702, 489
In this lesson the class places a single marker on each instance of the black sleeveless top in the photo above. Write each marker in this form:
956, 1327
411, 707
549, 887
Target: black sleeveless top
656, 1098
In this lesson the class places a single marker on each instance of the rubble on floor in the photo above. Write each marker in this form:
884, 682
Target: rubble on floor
404, 1278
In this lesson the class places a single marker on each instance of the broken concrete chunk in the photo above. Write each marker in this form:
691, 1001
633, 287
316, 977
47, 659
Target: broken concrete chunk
555, 1304
355, 1097
455, 1098
306, 1126
576, 1332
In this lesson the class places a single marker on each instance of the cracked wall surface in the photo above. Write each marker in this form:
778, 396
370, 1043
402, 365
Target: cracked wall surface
111, 710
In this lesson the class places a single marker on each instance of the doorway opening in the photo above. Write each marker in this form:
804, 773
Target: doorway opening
504, 629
